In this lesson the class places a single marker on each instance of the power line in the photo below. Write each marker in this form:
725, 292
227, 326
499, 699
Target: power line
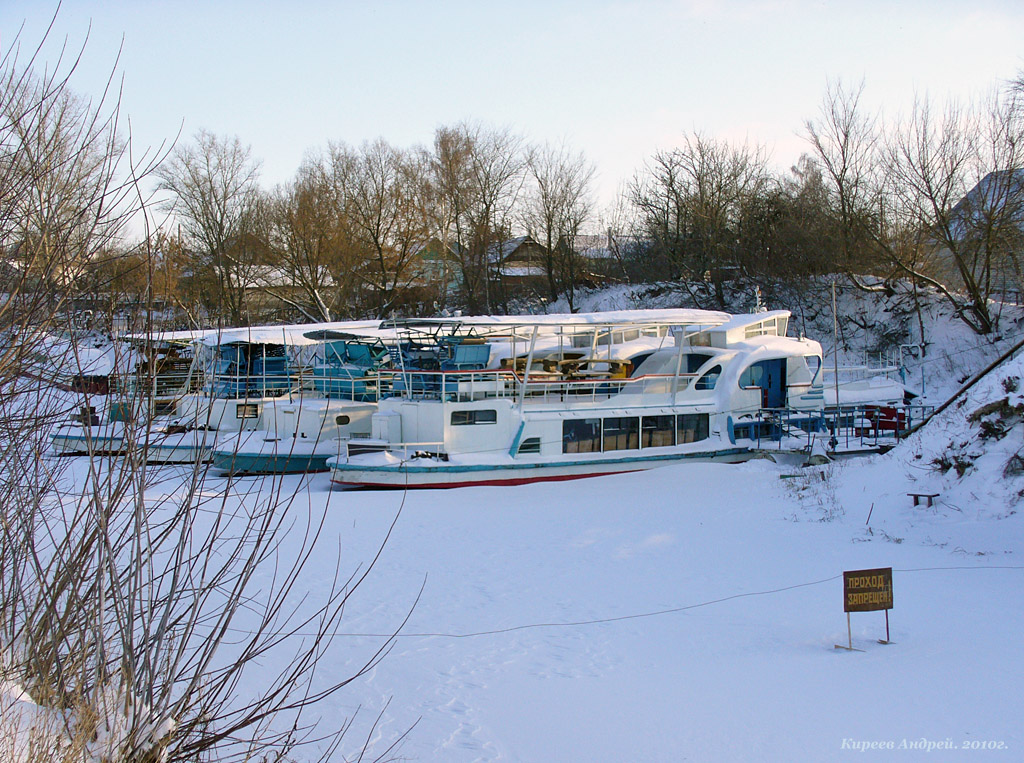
638, 615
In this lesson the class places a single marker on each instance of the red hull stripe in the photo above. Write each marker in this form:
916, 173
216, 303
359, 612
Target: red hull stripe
471, 483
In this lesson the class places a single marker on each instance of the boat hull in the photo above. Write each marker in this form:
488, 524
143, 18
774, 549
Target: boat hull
434, 473
259, 452
75, 440
269, 463
193, 447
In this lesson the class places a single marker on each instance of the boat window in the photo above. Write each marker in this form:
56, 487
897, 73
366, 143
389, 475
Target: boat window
657, 431
752, 376
637, 361
622, 433
342, 420
813, 365
247, 411
694, 360
581, 436
691, 427
710, 379
530, 445
469, 418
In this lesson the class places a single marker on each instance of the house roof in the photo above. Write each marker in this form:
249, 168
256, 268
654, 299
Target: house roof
990, 196
502, 250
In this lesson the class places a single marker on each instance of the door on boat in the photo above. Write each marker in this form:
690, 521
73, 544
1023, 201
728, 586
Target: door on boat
774, 386
770, 377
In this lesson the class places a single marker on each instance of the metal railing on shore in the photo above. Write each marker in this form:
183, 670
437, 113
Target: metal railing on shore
849, 427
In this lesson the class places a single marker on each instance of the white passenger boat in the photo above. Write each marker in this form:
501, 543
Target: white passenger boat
296, 435
131, 400
334, 401
587, 395
243, 372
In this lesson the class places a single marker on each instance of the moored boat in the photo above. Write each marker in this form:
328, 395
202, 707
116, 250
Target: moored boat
296, 435
592, 395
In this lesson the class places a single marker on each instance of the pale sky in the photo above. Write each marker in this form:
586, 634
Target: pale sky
617, 80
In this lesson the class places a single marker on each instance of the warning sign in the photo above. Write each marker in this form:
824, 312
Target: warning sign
867, 590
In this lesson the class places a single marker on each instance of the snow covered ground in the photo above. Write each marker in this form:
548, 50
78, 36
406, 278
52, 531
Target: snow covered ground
692, 612
689, 613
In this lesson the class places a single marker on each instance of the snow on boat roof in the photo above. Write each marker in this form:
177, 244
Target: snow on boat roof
292, 334
169, 337
288, 335
312, 333
607, 318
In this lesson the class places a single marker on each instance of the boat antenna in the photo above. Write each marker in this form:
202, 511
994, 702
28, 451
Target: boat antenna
834, 440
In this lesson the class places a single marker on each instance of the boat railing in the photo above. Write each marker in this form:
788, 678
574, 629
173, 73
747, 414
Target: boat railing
868, 425
535, 387
599, 387
237, 386
886, 365
159, 385
347, 382
404, 450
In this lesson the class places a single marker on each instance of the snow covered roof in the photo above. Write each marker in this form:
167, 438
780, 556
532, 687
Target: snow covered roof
501, 250
521, 271
607, 318
740, 327
270, 277
597, 253
293, 335
993, 193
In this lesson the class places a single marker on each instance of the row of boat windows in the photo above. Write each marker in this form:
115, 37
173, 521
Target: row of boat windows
632, 432
252, 411
611, 433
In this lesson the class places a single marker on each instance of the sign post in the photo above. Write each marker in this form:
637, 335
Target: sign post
866, 591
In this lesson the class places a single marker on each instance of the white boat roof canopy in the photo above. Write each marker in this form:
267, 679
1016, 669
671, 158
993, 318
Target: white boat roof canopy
739, 328
693, 322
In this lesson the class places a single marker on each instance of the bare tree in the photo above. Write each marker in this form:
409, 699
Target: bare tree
555, 210
954, 186
937, 198
213, 183
311, 243
479, 173
67, 192
386, 220
689, 199
134, 605
449, 184
846, 143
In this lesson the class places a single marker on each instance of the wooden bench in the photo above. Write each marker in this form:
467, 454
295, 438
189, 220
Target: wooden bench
929, 497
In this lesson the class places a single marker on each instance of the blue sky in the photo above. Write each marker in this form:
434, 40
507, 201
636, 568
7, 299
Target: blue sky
617, 80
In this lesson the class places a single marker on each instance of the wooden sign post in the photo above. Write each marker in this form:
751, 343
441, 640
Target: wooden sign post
866, 591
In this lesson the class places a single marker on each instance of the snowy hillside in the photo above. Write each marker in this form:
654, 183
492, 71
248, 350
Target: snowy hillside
971, 454
874, 328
